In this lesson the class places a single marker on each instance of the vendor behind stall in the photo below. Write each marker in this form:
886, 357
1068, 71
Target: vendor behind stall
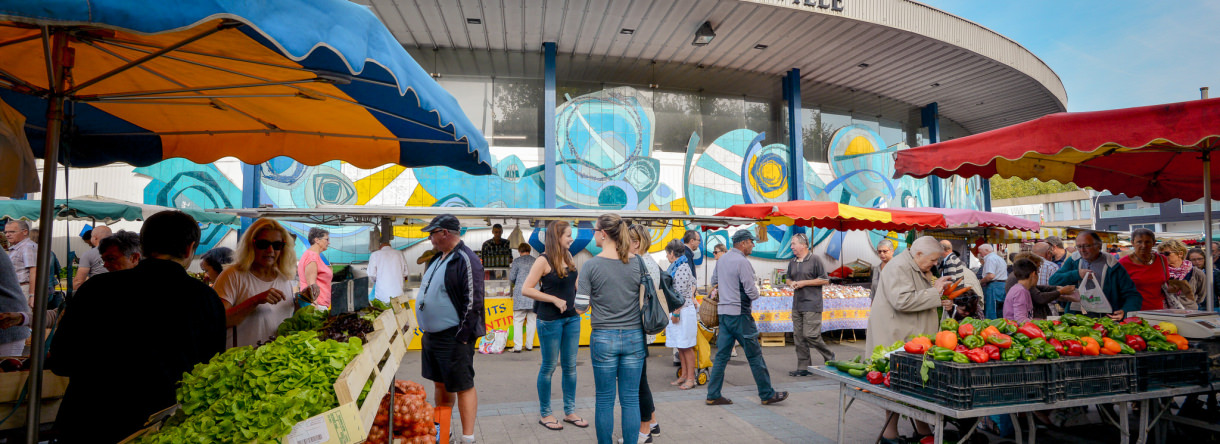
127, 336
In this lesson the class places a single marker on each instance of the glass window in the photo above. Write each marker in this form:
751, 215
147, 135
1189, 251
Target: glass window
1086, 209
678, 117
758, 118
720, 116
1153, 227
517, 112
472, 95
891, 132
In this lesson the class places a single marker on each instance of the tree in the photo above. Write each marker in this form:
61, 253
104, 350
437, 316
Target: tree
1014, 187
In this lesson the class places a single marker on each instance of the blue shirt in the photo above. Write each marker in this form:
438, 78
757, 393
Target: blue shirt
436, 310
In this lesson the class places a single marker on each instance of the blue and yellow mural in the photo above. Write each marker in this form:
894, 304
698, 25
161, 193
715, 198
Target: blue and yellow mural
605, 161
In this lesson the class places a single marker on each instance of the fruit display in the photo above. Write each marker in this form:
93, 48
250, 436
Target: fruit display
767, 290
835, 291
412, 416
875, 369
256, 395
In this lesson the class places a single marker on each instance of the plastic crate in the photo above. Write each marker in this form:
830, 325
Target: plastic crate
1181, 368
1082, 377
966, 386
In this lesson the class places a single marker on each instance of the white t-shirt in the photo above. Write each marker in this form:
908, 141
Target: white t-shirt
236, 286
387, 269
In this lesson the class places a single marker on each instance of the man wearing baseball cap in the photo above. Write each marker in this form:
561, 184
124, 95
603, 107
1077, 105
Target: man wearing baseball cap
735, 277
450, 313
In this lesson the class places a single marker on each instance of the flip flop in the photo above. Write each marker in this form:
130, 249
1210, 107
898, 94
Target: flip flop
578, 422
549, 423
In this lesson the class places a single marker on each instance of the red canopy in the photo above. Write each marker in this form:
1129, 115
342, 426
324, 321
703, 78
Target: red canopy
833, 215
1153, 152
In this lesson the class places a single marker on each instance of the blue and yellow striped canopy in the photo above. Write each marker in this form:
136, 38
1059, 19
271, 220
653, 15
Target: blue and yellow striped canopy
314, 80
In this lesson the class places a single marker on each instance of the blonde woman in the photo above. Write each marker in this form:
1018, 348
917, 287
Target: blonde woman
256, 289
1181, 269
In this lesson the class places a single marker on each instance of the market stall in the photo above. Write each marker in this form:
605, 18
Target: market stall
979, 368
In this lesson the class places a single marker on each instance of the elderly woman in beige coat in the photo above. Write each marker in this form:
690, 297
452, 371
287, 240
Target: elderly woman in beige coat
905, 305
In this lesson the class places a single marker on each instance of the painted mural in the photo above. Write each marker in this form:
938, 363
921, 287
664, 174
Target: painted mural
604, 160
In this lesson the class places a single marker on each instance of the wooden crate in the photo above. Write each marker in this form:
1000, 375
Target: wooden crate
772, 339
378, 362
12, 384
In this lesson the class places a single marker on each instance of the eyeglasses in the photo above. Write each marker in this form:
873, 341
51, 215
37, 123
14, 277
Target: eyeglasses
262, 244
1088, 246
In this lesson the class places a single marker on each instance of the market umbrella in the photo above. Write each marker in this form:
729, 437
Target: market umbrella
966, 218
107, 211
1156, 153
834, 215
139, 81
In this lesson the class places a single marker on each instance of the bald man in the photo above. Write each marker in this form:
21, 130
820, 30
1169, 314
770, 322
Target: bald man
91, 263
1045, 251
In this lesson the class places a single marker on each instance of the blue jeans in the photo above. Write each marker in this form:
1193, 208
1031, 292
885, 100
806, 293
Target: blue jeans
559, 340
618, 361
993, 298
739, 328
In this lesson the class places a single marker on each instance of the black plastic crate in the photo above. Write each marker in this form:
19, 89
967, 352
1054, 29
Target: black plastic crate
1082, 377
966, 386
1180, 368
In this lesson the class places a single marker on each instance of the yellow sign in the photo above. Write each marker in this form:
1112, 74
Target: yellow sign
498, 315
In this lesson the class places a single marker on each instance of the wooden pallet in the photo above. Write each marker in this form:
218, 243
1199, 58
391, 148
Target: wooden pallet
378, 362
772, 339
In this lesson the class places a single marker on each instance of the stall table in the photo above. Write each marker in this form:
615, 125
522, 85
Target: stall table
851, 389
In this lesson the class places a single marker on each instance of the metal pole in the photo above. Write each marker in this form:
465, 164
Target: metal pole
1207, 221
54, 51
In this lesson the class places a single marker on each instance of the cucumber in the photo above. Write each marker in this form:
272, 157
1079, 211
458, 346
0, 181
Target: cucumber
858, 373
849, 366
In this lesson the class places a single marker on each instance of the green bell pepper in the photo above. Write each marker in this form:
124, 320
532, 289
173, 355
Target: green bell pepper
1008, 329
1030, 353
942, 354
1151, 335
1049, 352
973, 341
948, 325
1065, 336
1126, 349
1037, 342
1080, 331
1045, 325
960, 358
1010, 355
1061, 328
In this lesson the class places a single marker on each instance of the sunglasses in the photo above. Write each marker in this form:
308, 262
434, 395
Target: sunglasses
262, 244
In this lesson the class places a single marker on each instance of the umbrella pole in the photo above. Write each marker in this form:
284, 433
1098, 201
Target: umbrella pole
54, 44
1207, 228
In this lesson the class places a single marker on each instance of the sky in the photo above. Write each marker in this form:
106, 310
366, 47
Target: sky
1111, 54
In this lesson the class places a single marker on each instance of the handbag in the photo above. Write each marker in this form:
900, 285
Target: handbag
672, 297
653, 315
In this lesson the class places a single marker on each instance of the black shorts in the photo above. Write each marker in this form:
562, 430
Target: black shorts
447, 361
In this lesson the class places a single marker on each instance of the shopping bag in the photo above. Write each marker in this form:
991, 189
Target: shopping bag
1092, 300
493, 342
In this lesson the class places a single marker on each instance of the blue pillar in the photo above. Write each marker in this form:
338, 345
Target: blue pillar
930, 118
548, 123
986, 193
251, 191
796, 152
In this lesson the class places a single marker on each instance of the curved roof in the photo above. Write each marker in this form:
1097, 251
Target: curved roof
897, 49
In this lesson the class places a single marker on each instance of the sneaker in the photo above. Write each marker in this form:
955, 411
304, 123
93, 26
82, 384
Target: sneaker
656, 430
642, 440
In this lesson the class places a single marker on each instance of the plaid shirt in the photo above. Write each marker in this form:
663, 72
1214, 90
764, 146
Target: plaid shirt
1045, 272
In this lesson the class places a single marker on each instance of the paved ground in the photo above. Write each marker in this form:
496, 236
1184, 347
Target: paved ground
508, 407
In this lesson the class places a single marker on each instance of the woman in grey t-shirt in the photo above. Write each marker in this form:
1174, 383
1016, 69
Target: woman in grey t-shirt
609, 284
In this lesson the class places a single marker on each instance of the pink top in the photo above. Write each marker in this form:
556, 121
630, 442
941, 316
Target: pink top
324, 276
1018, 304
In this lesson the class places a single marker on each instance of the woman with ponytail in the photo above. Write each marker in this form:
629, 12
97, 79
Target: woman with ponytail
558, 321
641, 242
609, 285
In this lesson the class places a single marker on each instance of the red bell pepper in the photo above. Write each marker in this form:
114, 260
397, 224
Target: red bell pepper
1137, 343
999, 340
1056, 322
1073, 348
961, 348
1132, 320
1100, 328
1031, 330
993, 352
874, 378
965, 330
1058, 345
978, 355
886, 381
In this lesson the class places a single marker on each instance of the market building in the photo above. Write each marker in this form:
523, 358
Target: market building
659, 104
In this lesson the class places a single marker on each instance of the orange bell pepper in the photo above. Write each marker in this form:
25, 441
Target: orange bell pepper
1178, 340
946, 339
989, 331
1091, 347
1110, 346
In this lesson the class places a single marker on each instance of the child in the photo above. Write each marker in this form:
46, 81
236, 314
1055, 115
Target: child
1019, 304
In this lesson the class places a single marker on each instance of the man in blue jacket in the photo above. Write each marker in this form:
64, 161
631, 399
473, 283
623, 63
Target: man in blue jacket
450, 308
1115, 282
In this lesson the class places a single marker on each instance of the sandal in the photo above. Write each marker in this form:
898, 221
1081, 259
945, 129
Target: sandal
678, 382
578, 422
719, 401
687, 385
548, 425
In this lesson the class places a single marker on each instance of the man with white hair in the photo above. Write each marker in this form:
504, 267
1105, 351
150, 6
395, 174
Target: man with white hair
91, 263
994, 272
905, 305
24, 254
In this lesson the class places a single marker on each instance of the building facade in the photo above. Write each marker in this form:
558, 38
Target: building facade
677, 105
1122, 213
1055, 210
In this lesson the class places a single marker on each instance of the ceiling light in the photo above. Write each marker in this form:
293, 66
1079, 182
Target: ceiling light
862, 65
474, 21
626, 31
760, 46
704, 35
935, 84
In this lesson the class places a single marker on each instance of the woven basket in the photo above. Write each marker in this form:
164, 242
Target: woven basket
709, 310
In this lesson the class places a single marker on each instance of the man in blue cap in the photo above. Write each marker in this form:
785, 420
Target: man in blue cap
450, 308
735, 277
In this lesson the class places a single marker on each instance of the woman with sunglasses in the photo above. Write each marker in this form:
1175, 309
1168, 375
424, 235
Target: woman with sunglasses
314, 272
256, 289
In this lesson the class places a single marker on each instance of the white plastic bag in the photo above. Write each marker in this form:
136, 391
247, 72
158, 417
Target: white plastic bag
493, 342
1092, 300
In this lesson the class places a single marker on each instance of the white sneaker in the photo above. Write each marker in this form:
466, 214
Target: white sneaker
734, 352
